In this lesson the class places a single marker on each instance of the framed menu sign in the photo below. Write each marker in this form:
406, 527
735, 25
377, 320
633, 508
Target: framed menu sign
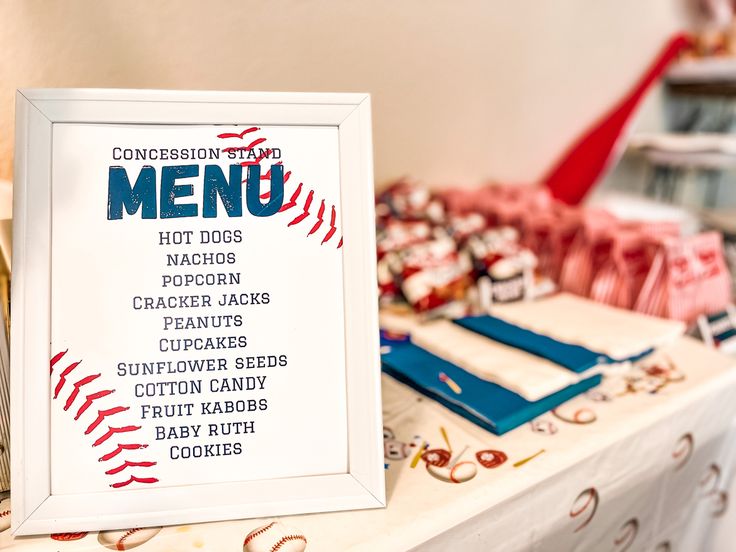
194, 326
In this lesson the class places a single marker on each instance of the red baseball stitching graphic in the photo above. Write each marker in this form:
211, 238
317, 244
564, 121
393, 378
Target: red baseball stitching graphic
113, 431
62, 378
119, 449
257, 160
627, 534
320, 218
333, 229
249, 147
134, 479
292, 200
592, 497
127, 534
56, 358
102, 415
89, 399
84, 381
253, 534
295, 196
128, 464
267, 176
232, 135
305, 212
283, 540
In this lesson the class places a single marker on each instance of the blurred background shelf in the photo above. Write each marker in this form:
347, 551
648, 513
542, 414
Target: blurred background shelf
703, 77
723, 220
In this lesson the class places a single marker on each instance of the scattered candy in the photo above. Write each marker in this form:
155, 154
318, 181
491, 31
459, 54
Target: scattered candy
528, 459
444, 378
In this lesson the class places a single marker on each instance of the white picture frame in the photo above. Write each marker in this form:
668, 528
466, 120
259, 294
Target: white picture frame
35, 509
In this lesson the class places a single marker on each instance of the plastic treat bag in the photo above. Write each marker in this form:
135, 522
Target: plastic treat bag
462, 227
398, 234
433, 275
589, 251
567, 226
620, 280
688, 277
408, 201
698, 280
505, 267
548, 229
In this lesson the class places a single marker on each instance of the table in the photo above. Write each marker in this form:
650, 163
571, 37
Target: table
636, 471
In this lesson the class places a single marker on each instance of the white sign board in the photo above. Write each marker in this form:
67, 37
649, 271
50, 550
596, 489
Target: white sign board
202, 267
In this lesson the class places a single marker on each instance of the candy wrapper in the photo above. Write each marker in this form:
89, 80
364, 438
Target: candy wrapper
434, 276
397, 235
407, 201
462, 227
503, 266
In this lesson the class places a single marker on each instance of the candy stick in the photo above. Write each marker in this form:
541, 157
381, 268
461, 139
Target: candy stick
444, 378
525, 460
444, 436
418, 455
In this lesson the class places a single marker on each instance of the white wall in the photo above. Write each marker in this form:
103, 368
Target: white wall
463, 90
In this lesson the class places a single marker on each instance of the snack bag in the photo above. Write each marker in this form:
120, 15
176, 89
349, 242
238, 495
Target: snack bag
408, 201
397, 235
462, 227
620, 280
698, 281
433, 275
503, 264
687, 278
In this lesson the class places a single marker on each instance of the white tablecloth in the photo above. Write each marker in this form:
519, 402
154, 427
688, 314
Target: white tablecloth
652, 472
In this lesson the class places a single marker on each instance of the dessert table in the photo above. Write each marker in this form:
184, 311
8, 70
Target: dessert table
635, 464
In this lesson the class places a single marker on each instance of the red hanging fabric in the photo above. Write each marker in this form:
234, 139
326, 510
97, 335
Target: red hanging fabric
583, 164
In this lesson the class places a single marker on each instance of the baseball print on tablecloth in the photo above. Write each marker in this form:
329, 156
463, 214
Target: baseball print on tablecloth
184, 335
275, 537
